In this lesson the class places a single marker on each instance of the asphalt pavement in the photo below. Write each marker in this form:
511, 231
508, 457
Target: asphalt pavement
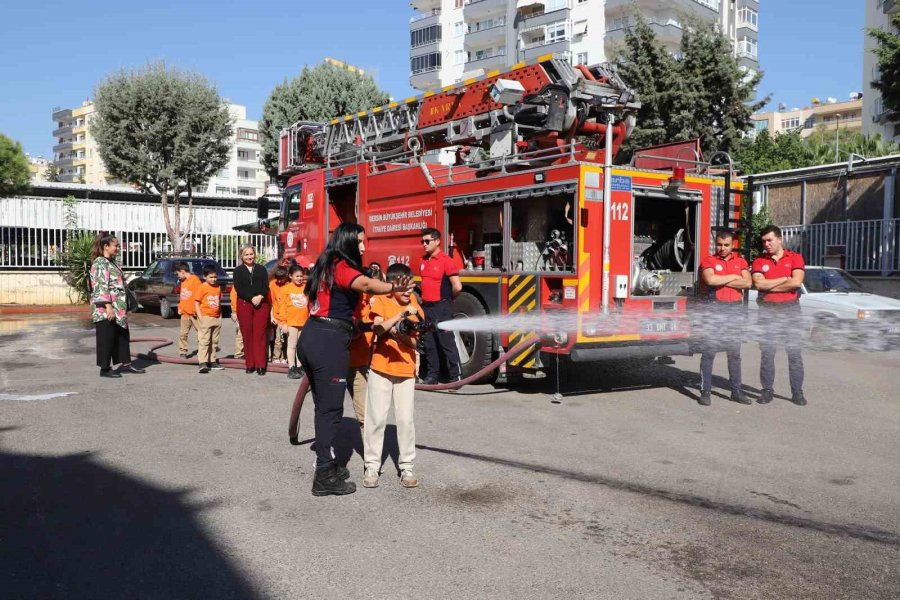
174, 484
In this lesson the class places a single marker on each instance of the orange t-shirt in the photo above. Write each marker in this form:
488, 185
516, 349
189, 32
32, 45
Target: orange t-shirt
391, 356
361, 345
209, 297
233, 295
294, 304
275, 300
189, 289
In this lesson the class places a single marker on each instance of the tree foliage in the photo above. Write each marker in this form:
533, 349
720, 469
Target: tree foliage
166, 131
318, 94
702, 93
887, 52
14, 174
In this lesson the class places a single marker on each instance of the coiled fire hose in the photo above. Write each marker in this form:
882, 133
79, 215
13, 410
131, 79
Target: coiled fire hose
303, 388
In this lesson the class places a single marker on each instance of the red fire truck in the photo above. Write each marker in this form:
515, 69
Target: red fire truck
515, 170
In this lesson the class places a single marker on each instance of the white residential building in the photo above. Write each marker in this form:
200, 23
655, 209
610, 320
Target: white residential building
451, 40
244, 175
874, 117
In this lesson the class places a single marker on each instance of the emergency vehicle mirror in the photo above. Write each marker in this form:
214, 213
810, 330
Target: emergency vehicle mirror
262, 208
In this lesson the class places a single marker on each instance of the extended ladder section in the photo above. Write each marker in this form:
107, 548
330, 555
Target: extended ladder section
530, 107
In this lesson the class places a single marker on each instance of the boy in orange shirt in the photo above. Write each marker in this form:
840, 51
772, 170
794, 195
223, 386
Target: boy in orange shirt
392, 376
279, 280
208, 305
295, 312
186, 308
238, 338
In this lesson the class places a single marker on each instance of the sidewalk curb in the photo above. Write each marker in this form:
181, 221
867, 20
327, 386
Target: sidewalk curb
44, 309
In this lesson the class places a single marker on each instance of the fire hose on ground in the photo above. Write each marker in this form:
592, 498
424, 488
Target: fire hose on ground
303, 388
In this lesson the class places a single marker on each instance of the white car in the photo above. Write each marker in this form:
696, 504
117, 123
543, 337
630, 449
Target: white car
840, 313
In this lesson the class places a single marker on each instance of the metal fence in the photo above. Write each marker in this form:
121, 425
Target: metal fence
31, 248
867, 246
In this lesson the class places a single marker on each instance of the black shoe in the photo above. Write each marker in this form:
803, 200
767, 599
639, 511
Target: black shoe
430, 381
705, 399
739, 397
182, 355
204, 368
328, 482
766, 396
216, 366
260, 372
798, 398
109, 373
294, 373
343, 473
248, 371
131, 369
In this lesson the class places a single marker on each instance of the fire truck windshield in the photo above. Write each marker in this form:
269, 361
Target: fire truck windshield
290, 208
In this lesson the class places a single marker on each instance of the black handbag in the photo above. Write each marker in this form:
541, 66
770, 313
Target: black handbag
131, 301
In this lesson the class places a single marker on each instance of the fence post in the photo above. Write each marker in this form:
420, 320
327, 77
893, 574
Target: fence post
887, 227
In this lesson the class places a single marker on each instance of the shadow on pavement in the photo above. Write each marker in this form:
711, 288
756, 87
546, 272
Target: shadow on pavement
881, 536
73, 528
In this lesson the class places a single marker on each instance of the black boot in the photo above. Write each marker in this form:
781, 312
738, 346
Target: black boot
328, 482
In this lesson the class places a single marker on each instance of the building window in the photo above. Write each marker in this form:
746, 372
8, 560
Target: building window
761, 125
243, 155
747, 47
458, 3
424, 36
581, 58
248, 134
222, 190
551, 5
459, 28
459, 57
224, 174
244, 192
487, 24
244, 173
425, 63
747, 17
790, 123
555, 32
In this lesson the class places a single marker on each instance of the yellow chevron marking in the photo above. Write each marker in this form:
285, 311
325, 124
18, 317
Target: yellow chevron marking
428, 94
410, 99
518, 65
393, 104
376, 110
518, 302
493, 73
470, 81
544, 57
361, 113
447, 88
517, 286
531, 305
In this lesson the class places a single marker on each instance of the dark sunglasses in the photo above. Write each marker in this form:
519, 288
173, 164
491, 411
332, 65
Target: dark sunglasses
427, 240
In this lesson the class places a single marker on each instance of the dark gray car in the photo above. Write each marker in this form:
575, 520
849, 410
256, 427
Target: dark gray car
158, 285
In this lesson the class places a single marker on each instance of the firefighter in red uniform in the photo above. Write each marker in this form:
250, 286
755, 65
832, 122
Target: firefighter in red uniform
725, 275
778, 275
440, 285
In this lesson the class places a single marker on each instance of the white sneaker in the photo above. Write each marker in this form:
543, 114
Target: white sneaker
371, 478
408, 479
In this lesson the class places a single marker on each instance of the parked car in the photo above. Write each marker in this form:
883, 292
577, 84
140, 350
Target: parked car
841, 313
158, 285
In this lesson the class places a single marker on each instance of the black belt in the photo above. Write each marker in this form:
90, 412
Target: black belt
435, 303
334, 323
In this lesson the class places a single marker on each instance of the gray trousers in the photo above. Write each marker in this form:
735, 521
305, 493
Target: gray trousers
781, 326
722, 317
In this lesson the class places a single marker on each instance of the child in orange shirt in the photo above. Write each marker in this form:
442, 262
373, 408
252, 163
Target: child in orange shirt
392, 376
238, 338
208, 305
295, 312
279, 280
188, 293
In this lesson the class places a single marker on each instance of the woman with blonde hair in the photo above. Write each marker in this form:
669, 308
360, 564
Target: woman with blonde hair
109, 303
251, 284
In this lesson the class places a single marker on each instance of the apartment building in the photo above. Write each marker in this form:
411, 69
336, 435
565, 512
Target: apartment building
77, 155
875, 118
75, 152
451, 40
831, 115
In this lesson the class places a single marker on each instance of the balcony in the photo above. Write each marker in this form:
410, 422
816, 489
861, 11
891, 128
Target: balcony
424, 19
891, 7
540, 19
61, 114
425, 79
425, 5
62, 131
490, 36
475, 10
534, 50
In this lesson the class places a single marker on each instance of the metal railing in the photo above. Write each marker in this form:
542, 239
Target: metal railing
867, 246
42, 249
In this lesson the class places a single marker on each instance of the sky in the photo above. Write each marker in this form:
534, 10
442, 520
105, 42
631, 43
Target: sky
55, 53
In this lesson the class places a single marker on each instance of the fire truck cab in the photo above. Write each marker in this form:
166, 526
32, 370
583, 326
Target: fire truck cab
522, 205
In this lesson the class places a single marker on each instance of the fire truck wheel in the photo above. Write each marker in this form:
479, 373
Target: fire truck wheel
474, 346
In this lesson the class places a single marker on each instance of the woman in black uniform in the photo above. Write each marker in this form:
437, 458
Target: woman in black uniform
334, 285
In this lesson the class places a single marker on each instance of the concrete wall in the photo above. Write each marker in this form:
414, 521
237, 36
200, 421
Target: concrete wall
35, 287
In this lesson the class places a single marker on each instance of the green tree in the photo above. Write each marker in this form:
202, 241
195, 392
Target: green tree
758, 221
702, 93
52, 173
318, 94
164, 130
764, 153
887, 51
14, 174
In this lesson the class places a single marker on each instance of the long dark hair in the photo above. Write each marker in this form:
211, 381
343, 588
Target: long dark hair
344, 244
100, 242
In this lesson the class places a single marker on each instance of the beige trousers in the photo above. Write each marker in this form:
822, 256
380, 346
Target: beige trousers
293, 337
277, 343
358, 385
208, 338
238, 341
188, 322
382, 390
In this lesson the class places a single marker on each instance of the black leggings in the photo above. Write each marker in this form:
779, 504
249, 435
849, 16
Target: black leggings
112, 344
324, 351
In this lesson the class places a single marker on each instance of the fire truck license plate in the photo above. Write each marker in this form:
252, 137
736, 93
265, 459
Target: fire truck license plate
659, 326
893, 330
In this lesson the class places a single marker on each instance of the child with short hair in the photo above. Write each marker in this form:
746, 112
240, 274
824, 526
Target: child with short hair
392, 377
278, 281
208, 305
188, 293
295, 311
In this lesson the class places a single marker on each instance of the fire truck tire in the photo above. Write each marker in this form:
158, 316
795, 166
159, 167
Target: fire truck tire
475, 347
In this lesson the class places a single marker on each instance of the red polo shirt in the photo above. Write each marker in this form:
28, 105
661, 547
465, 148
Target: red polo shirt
733, 265
339, 301
436, 272
773, 269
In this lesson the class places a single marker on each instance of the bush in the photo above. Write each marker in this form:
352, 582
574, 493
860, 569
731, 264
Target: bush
76, 263
759, 221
